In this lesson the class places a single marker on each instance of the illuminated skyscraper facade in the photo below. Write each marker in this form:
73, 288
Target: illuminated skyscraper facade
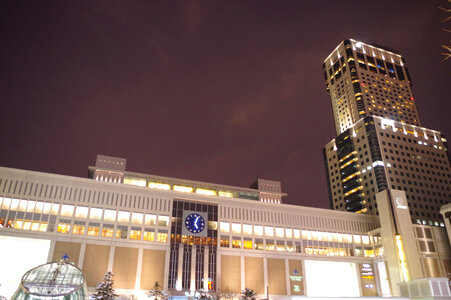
380, 143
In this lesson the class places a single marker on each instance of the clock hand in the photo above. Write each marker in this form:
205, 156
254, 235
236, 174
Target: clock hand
195, 222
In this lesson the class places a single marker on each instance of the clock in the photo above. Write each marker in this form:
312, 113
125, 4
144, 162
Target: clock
195, 223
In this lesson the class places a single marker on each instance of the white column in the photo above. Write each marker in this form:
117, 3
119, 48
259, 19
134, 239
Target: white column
166, 268
265, 273
51, 251
180, 268
81, 257
287, 276
218, 270
206, 253
243, 274
193, 268
359, 278
111, 260
139, 269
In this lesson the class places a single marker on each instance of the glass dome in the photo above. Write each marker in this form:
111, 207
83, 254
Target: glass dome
55, 280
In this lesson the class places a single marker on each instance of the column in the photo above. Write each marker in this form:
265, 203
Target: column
193, 268
206, 260
265, 274
243, 273
51, 250
81, 257
139, 269
287, 276
180, 268
111, 260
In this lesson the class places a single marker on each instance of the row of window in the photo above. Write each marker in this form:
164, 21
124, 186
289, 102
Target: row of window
82, 212
318, 248
289, 233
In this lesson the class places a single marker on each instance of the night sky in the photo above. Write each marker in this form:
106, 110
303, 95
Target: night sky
217, 91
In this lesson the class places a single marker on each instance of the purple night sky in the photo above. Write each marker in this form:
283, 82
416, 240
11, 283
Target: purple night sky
217, 91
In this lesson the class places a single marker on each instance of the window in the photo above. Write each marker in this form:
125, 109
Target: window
236, 242
151, 219
93, 229
149, 234
135, 233
269, 231
123, 216
96, 214
107, 230
162, 236
64, 226
67, 210
224, 241
81, 212
163, 221
121, 232
79, 228
270, 245
258, 244
137, 218
110, 215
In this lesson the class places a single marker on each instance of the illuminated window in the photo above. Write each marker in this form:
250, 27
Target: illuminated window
183, 189
6, 203
247, 229
297, 234
135, 233
280, 245
55, 209
270, 245
269, 231
258, 230
30, 206
225, 194
81, 212
247, 243
109, 215
18, 224
162, 236
206, 192
14, 204
365, 239
137, 218
163, 220
135, 181
27, 225
151, 219
236, 242
357, 239
64, 226
149, 234
224, 241
259, 244
236, 228
22, 205
123, 216
95, 214
213, 225
290, 247
289, 233
93, 229
225, 227
67, 210
108, 230
159, 185
280, 232
121, 232
79, 228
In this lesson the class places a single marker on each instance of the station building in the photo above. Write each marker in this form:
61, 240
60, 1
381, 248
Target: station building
189, 235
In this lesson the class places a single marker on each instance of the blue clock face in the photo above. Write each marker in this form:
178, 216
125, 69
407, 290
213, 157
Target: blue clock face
194, 223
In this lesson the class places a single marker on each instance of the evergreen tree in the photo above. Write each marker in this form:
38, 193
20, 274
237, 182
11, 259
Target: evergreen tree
104, 289
157, 292
248, 294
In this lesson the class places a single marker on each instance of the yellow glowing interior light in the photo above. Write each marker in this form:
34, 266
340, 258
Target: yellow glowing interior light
206, 192
184, 189
225, 194
159, 185
402, 258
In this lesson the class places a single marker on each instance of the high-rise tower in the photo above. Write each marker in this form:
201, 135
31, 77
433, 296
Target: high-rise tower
380, 143
365, 80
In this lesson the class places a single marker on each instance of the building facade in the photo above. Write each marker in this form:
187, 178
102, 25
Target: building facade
365, 80
186, 240
381, 144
